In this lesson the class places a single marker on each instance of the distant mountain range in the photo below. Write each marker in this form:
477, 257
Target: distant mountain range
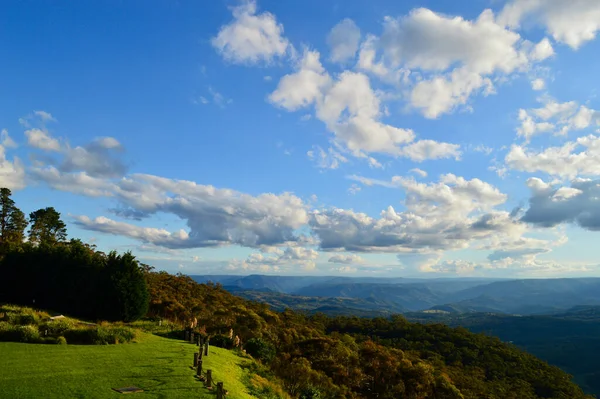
400, 295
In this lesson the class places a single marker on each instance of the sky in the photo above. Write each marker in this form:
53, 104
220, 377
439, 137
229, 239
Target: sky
357, 138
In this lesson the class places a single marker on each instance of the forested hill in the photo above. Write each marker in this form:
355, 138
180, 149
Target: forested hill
351, 357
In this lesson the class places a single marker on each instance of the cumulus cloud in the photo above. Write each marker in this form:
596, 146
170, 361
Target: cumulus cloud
12, 173
574, 158
446, 215
346, 259
303, 87
251, 37
550, 205
574, 22
343, 41
5, 140
459, 56
556, 118
279, 260
352, 111
41, 139
150, 235
428, 149
419, 172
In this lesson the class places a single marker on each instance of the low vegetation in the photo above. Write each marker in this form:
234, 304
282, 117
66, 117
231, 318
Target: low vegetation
21, 324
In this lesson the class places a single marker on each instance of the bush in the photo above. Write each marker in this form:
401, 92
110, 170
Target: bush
28, 334
99, 335
61, 340
8, 332
57, 327
260, 349
221, 341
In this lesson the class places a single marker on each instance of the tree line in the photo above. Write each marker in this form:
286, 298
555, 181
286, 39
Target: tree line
42, 268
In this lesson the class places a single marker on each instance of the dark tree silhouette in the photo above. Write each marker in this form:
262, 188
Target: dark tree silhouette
47, 227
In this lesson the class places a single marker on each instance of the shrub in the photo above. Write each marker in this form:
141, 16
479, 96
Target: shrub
57, 327
81, 335
28, 334
8, 332
99, 335
61, 340
221, 341
260, 349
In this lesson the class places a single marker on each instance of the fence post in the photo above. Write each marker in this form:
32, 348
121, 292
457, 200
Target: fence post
195, 359
199, 370
220, 391
191, 338
209, 378
185, 335
206, 349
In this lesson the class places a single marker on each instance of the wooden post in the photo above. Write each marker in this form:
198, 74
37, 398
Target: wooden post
191, 338
206, 349
199, 370
220, 391
195, 360
209, 378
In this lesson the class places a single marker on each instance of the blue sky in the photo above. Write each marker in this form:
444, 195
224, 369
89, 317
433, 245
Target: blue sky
426, 138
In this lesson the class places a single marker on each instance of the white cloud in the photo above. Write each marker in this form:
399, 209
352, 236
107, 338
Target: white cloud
419, 172
562, 161
354, 189
303, 87
5, 140
41, 139
428, 149
343, 41
150, 235
450, 214
278, 261
542, 50
12, 173
557, 118
251, 37
459, 57
550, 205
329, 159
538, 84
100, 158
571, 22
346, 259
44, 116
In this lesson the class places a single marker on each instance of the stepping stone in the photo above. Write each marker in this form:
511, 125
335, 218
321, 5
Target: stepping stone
128, 390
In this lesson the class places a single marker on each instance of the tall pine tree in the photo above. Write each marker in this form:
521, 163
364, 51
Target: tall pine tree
12, 220
47, 227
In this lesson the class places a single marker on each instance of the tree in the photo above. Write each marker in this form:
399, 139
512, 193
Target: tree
12, 220
126, 291
47, 227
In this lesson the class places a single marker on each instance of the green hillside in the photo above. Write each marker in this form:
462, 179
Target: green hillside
160, 366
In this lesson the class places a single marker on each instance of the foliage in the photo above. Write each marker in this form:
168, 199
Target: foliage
260, 349
47, 228
12, 220
351, 357
76, 279
21, 324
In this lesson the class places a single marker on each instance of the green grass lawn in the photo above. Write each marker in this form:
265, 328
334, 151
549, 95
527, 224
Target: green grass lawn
160, 366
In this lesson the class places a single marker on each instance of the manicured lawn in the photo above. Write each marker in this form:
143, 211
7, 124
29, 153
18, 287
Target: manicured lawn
160, 366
